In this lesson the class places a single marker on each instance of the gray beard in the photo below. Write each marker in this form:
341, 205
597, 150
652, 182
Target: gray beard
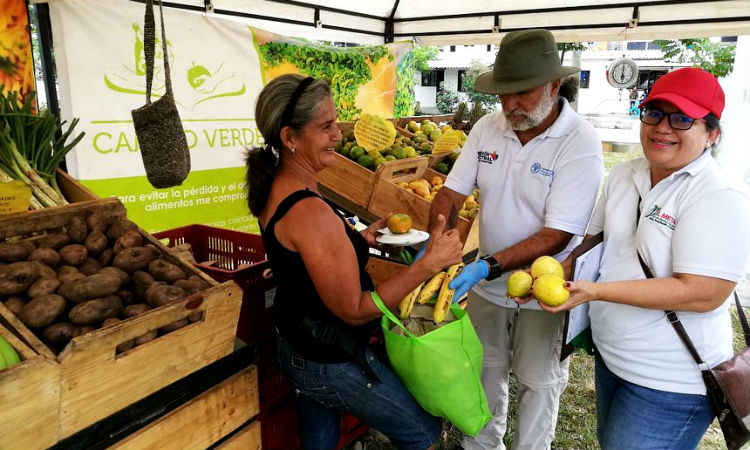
536, 116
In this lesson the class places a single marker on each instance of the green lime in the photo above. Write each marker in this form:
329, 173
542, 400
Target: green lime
356, 152
365, 161
442, 168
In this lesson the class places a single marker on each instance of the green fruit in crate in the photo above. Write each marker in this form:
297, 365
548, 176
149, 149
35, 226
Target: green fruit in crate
442, 168
337, 148
7, 354
349, 137
378, 162
366, 161
356, 152
435, 135
374, 154
454, 156
399, 152
412, 126
410, 152
426, 122
390, 158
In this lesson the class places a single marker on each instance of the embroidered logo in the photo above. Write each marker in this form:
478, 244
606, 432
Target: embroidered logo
656, 215
487, 157
537, 168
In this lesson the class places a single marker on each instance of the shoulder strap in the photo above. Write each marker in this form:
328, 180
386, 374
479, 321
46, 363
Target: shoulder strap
287, 204
743, 319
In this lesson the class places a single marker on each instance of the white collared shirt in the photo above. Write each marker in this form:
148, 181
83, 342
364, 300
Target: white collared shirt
695, 221
552, 181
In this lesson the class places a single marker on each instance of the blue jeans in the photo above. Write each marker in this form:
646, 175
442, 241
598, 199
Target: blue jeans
323, 390
629, 416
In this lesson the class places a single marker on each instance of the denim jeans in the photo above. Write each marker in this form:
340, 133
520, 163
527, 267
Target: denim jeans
630, 416
323, 390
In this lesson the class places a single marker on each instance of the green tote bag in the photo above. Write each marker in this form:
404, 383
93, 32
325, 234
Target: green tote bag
441, 369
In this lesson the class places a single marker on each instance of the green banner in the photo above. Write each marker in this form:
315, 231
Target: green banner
213, 197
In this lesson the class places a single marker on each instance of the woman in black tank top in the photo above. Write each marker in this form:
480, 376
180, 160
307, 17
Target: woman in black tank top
323, 309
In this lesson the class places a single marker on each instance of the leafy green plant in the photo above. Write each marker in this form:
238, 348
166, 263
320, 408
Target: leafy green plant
404, 102
422, 55
716, 58
446, 101
481, 101
564, 47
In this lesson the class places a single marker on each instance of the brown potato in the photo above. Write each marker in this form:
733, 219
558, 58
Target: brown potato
69, 273
142, 339
128, 240
119, 228
92, 286
42, 311
96, 310
43, 270
114, 271
14, 251
55, 240
126, 296
165, 271
15, 304
202, 284
132, 259
95, 242
82, 329
176, 325
90, 266
140, 281
160, 294
59, 333
135, 310
73, 254
189, 286
77, 229
46, 255
43, 286
94, 222
155, 252
16, 277
106, 256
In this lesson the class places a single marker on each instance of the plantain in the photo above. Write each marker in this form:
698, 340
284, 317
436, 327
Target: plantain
407, 304
431, 288
445, 297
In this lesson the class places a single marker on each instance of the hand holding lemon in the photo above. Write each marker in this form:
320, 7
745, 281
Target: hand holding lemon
545, 282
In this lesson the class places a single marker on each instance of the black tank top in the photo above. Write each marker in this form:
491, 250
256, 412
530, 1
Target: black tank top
296, 297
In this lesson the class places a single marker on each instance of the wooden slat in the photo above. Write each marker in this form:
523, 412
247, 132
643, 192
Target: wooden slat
247, 438
16, 326
204, 420
95, 382
29, 399
72, 189
56, 217
349, 179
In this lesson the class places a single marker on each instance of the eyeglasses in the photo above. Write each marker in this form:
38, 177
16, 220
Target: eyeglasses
677, 120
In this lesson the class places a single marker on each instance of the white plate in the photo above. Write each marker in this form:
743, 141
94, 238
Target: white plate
412, 237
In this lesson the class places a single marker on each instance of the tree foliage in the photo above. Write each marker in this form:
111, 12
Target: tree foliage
564, 47
422, 55
445, 101
481, 101
716, 58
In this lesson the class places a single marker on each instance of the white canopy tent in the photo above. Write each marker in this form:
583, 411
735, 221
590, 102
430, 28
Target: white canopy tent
485, 21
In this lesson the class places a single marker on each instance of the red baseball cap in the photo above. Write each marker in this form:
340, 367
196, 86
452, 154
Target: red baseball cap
694, 91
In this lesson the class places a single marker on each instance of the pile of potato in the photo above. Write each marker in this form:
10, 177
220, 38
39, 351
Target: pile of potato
92, 274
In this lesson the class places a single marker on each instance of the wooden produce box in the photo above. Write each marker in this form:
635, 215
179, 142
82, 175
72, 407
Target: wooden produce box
29, 399
206, 419
96, 381
73, 190
388, 198
349, 179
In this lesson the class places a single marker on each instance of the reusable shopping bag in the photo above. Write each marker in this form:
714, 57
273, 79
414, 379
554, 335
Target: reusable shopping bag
441, 369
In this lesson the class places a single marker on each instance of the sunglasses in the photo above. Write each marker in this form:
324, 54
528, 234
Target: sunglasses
677, 120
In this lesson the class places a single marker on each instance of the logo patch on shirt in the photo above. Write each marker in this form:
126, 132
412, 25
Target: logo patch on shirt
537, 168
656, 215
487, 157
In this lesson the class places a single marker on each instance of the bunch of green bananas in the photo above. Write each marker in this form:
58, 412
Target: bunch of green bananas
8, 355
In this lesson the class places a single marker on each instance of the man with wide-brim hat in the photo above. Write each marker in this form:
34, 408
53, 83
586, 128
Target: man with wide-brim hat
538, 166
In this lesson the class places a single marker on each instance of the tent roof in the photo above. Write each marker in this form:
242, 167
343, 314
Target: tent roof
483, 21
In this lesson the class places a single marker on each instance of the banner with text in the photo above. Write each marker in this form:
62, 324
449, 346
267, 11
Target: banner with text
218, 67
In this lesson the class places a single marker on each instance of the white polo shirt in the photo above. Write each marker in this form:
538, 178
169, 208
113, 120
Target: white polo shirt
695, 221
552, 181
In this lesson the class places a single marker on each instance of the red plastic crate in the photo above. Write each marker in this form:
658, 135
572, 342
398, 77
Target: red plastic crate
240, 257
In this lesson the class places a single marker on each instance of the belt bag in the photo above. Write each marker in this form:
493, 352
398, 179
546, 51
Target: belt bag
728, 384
161, 138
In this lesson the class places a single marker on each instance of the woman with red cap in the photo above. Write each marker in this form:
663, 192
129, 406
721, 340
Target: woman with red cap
677, 215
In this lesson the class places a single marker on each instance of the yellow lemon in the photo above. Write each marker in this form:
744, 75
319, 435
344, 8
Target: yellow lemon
546, 265
519, 284
550, 290
399, 223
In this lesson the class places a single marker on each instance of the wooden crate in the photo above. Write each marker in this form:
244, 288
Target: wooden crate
72, 189
247, 438
30, 399
95, 381
206, 419
388, 197
352, 181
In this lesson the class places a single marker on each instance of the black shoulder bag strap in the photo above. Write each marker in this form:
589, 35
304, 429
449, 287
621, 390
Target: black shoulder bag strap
672, 316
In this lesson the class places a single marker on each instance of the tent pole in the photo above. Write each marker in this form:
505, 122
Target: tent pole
48, 62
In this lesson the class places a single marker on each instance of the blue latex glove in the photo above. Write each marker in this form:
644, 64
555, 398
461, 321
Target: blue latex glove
471, 275
421, 251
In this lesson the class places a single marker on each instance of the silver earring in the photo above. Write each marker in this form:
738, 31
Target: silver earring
292, 150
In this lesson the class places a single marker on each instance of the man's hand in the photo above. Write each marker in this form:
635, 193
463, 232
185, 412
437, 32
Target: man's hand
471, 275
